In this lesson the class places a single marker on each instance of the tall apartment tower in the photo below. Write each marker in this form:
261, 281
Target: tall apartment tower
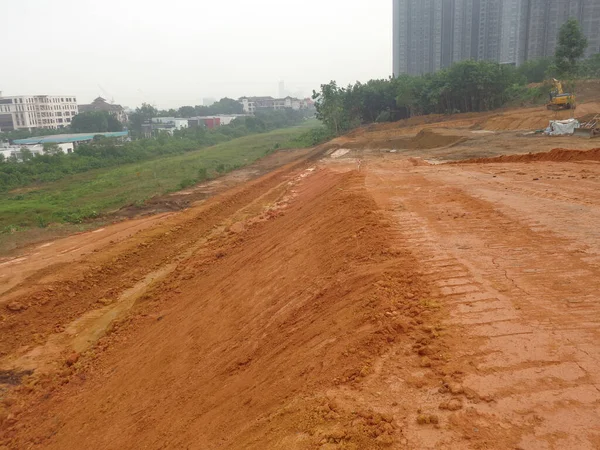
545, 17
433, 34
417, 36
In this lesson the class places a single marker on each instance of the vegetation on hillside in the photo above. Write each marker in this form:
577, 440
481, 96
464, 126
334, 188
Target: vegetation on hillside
106, 152
77, 197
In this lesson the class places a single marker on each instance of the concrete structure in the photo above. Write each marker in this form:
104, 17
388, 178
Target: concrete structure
253, 104
433, 34
66, 142
11, 151
36, 111
100, 104
76, 138
164, 124
204, 121
214, 121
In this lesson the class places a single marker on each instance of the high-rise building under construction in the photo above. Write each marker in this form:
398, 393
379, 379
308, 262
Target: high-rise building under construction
432, 34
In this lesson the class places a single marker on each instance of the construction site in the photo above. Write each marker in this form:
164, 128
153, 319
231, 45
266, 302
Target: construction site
431, 283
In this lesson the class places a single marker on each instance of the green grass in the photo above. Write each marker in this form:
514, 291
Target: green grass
83, 196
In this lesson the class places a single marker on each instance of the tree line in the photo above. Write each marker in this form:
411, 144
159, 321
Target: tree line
467, 86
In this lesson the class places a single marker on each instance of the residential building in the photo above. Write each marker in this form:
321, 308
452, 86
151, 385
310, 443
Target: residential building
433, 34
100, 104
417, 36
36, 111
253, 104
545, 17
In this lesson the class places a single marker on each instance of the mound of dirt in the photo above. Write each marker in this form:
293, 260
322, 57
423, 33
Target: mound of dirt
556, 155
231, 349
427, 139
424, 140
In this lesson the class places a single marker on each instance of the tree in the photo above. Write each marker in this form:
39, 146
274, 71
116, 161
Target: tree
405, 93
95, 122
571, 47
535, 70
52, 149
186, 111
26, 154
113, 123
143, 114
224, 106
590, 67
330, 107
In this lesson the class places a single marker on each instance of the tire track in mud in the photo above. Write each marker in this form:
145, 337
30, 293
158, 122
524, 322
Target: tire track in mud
251, 340
526, 304
58, 294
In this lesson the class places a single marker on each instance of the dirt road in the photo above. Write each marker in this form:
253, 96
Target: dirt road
362, 301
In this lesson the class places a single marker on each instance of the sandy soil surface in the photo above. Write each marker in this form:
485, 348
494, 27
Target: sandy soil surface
359, 297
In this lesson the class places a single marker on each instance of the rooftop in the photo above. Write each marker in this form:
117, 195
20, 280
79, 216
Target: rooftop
62, 138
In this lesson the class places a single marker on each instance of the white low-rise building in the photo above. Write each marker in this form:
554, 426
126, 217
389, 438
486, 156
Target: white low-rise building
15, 151
253, 104
37, 111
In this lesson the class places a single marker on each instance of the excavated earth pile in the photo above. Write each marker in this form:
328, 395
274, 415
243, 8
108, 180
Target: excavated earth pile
555, 155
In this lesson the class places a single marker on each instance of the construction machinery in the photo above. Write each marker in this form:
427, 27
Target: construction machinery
559, 99
589, 127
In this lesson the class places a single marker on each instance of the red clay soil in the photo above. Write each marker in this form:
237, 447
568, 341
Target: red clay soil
257, 324
556, 155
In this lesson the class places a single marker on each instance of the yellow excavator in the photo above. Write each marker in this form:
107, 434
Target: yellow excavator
559, 99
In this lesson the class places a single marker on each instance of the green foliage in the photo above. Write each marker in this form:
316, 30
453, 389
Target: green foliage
523, 95
95, 122
314, 136
141, 115
106, 152
331, 107
589, 68
26, 154
84, 195
535, 70
571, 47
223, 106
186, 182
52, 149
464, 87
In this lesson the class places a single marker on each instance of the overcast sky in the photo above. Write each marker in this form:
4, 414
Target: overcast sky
173, 53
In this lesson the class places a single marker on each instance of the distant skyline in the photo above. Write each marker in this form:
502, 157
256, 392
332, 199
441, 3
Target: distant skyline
177, 54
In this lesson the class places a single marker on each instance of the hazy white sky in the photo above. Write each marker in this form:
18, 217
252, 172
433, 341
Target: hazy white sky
175, 52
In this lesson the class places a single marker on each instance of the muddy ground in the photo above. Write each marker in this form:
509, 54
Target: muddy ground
362, 296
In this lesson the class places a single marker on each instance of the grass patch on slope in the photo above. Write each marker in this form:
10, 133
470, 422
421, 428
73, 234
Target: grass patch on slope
83, 196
